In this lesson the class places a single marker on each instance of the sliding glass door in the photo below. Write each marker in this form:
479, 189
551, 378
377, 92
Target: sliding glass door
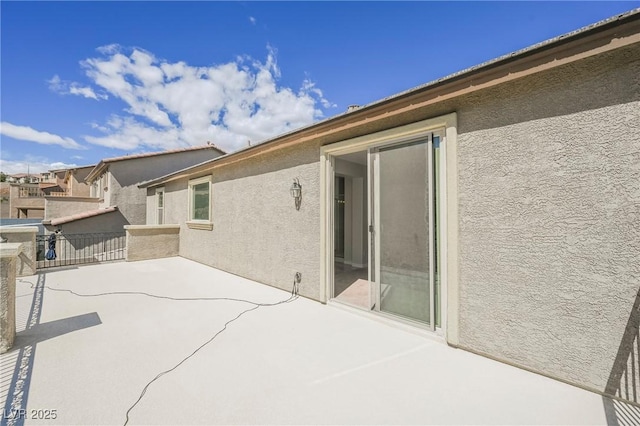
403, 236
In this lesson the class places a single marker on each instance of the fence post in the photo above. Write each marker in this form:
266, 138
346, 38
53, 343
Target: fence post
9, 253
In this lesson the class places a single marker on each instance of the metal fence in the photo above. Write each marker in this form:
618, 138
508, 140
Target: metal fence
79, 249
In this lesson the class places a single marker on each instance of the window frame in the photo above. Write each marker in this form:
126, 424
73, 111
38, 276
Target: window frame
199, 223
160, 190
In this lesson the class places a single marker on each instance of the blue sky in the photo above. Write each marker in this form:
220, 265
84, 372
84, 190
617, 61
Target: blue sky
83, 81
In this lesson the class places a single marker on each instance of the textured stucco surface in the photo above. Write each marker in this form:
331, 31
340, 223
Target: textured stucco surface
8, 258
77, 186
549, 218
35, 205
549, 213
26, 236
124, 177
257, 232
55, 207
152, 242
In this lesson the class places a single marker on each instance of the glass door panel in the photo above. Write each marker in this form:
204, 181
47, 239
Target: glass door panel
403, 224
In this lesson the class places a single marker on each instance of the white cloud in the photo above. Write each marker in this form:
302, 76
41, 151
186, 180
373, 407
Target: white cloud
28, 134
252, 20
38, 165
72, 88
173, 104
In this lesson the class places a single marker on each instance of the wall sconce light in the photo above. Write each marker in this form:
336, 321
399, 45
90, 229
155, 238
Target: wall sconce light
296, 192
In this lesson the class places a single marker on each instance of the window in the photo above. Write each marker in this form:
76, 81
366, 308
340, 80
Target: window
160, 206
99, 186
200, 203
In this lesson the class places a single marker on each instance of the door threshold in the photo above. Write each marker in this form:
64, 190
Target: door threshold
390, 320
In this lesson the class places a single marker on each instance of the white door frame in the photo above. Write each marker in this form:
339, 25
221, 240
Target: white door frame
448, 216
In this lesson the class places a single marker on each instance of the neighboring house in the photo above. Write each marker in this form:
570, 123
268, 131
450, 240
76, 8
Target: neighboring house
26, 201
29, 200
5, 209
496, 208
67, 182
23, 178
113, 198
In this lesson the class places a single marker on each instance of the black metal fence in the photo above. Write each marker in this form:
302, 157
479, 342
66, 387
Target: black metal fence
79, 249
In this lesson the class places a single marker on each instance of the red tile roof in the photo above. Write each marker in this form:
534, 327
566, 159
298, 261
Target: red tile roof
79, 216
151, 154
101, 166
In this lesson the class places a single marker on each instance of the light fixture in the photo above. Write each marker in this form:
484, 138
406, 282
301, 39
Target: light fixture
296, 192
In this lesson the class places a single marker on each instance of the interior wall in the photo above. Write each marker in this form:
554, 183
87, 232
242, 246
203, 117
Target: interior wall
356, 238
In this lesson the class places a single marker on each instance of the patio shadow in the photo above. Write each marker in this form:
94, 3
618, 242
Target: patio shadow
624, 379
22, 355
52, 329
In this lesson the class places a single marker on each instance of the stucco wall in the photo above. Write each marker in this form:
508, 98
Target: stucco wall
549, 219
25, 236
8, 259
77, 186
34, 205
124, 177
152, 241
5, 207
55, 207
549, 213
257, 232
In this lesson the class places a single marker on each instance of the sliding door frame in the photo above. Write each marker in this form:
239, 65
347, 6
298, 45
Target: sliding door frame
448, 208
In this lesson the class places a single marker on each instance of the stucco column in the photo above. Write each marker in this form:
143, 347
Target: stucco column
9, 253
25, 235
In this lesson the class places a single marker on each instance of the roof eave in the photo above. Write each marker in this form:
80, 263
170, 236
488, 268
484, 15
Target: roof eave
472, 75
97, 171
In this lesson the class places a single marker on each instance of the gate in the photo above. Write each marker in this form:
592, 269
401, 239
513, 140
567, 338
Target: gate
80, 249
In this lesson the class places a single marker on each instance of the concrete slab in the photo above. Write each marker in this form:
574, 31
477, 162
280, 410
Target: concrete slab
89, 359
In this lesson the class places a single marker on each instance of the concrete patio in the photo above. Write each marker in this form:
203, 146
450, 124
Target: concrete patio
89, 358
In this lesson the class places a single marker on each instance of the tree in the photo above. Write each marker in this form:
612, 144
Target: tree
3, 177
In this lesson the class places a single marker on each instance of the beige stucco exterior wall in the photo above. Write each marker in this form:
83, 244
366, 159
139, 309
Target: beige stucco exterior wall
549, 219
9, 253
152, 241
77, 186
5, 205
124, 177
25, 236
257, 232
34, 205
55, 207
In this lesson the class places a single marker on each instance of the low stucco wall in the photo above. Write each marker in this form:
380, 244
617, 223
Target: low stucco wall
152, 241
9, 253
55, 207
25, 235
